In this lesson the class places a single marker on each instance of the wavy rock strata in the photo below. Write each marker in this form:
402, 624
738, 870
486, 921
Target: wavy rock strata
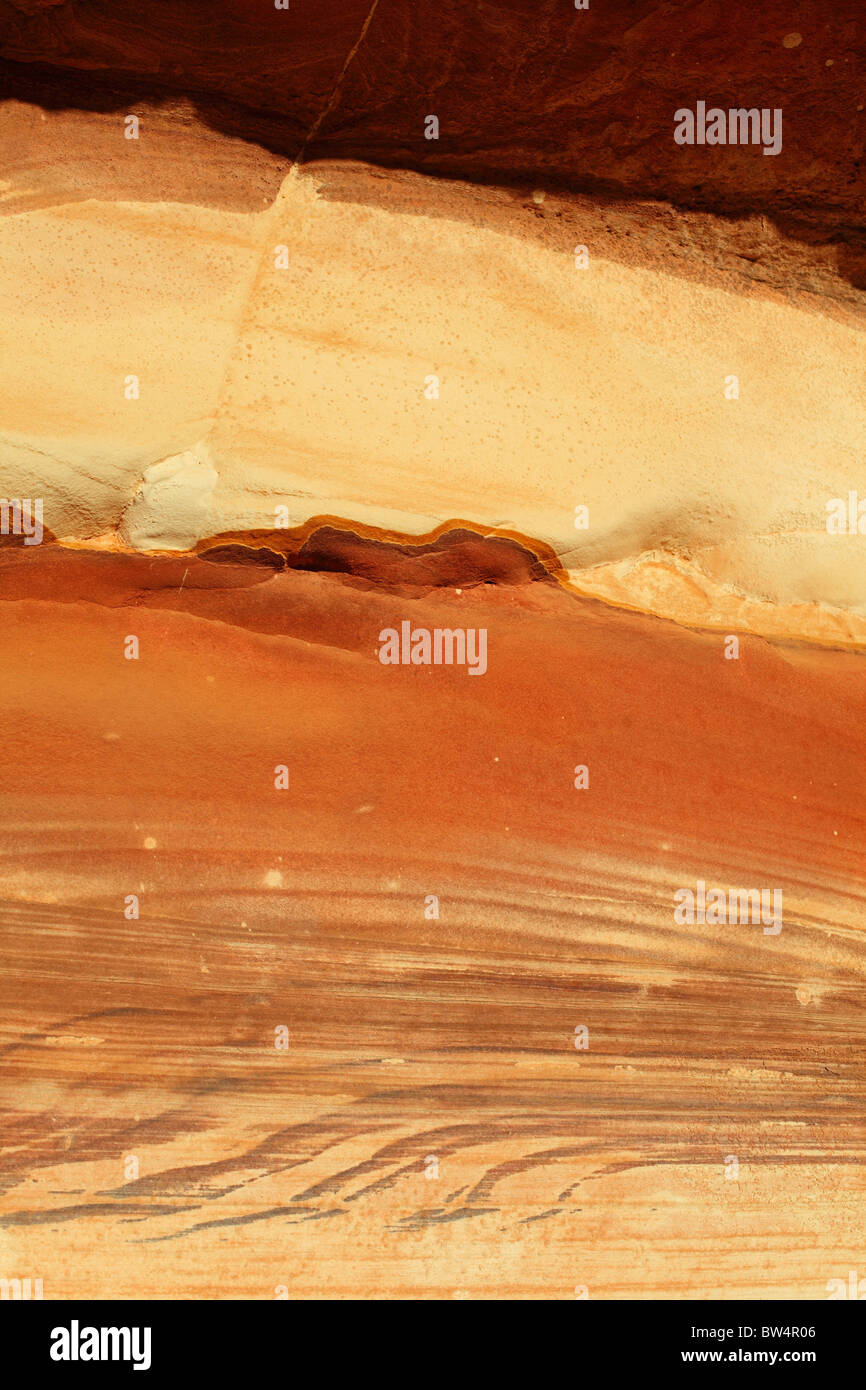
328, 977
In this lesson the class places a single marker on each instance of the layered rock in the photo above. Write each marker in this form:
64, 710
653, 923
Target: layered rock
403, 356
338, 976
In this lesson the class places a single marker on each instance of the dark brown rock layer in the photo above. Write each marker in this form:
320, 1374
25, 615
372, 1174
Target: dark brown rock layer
582, 100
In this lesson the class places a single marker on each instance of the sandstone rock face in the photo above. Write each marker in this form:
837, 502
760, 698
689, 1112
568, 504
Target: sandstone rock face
317, 356
522, 90
286, 376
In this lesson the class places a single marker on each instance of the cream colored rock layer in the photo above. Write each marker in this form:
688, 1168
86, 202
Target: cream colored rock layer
673, 588
310, 387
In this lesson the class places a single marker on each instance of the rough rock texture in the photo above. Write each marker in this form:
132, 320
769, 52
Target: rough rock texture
351, 383
287, 375
523, 90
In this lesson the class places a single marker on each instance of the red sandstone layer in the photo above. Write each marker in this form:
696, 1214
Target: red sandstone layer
412, 1036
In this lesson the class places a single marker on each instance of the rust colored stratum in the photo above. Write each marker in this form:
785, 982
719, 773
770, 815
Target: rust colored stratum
432, 649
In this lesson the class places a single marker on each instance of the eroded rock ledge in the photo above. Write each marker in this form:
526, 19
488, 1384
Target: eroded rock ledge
583, 99
400, 354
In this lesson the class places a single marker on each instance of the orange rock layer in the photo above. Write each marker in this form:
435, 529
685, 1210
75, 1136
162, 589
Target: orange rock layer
432, 1129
